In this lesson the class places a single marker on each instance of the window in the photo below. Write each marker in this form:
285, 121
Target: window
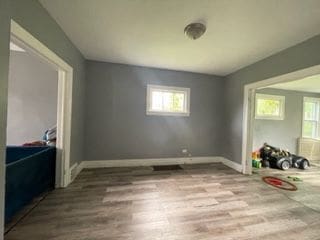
270, 107
170, 101
311, 118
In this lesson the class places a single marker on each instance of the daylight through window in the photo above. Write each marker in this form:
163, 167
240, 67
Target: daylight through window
311, 118
270, 107
164, 100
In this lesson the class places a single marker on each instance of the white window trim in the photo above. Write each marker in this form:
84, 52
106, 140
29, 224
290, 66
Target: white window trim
310, 99
282, 100
169, 89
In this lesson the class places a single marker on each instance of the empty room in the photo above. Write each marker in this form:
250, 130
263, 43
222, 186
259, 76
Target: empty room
159, 120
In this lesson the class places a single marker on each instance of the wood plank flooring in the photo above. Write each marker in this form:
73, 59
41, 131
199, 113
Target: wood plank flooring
309, 187
200, 202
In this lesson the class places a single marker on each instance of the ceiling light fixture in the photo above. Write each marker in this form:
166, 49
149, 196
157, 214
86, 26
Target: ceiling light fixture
195, 30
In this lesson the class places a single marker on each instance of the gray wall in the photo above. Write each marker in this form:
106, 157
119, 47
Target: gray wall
282, 133
35, 19
295, 58
4, 68
32, 98
117, 126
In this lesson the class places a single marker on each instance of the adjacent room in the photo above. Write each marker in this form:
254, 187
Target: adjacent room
153, 120
31, 131
32, 97
286, 136
287, 116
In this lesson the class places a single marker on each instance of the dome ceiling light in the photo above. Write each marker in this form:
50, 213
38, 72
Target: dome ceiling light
195, 30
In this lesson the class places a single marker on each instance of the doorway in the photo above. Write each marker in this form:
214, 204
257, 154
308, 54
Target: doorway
47, 161
283, 134
249, 113
64, 101
38, 126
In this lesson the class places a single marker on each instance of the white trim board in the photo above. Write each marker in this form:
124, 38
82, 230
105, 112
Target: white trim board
231, 164
74, 170
157, 161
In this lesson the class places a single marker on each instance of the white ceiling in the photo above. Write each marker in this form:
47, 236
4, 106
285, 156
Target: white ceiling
150, 32
308, 84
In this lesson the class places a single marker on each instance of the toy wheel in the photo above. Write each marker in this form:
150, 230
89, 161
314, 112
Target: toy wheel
285, 165
304, 164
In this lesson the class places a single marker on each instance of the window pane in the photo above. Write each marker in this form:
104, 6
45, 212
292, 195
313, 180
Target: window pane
156, 100
309, 129
310, 111
172, 100
268, 107
178, 102
167, 101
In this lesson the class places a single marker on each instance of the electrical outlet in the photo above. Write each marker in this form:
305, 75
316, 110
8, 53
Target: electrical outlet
184, 151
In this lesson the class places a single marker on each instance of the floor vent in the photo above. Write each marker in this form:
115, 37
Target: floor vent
167, 167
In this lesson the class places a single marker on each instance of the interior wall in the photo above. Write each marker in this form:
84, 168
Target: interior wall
32, 98
4, 69
117, 126
282, 133
35, 19
295, 58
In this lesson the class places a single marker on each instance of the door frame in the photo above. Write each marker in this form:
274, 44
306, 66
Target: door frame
64, 105
249, 107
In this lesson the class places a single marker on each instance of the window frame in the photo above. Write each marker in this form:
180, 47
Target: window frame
317, 121
280, 98
185, 91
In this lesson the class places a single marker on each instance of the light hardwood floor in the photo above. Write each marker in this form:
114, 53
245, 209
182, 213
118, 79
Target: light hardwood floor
308, 192
199, 202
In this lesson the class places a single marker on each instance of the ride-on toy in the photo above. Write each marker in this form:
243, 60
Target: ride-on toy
278, 158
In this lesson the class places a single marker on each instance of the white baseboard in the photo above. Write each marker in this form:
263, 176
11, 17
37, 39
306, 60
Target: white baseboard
231, 164
157, 161
148, 162
74, 170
